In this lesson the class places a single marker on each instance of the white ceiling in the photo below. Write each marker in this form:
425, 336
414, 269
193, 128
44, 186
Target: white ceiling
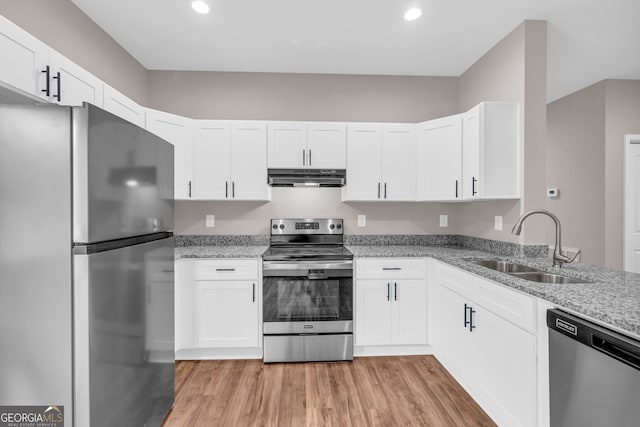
588, 40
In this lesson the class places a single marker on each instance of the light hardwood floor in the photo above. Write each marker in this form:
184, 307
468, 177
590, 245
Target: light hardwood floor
370, 391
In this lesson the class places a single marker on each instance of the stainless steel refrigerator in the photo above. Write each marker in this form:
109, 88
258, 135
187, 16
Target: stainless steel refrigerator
86, 265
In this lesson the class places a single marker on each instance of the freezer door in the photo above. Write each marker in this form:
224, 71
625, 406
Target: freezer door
124, 335
122, 178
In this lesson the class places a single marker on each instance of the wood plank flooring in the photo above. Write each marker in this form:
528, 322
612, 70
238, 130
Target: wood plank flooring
370, 391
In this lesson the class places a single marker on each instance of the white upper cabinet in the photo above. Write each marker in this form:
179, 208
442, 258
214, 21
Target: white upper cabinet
23, 58
211, 160
296, 145
249, 161
230, 160
287, 145
491, 151
70, 84
122, 106
327, 145
439, 159
381, 162
178, 131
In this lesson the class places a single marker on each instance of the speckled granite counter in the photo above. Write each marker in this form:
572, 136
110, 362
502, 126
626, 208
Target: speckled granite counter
221, 251
611, 296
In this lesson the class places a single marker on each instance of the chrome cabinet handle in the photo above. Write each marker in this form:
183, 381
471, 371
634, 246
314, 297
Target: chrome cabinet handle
309, 157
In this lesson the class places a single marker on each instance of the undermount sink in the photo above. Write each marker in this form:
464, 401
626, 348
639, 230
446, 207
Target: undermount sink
525, 272
543, 277
505, 266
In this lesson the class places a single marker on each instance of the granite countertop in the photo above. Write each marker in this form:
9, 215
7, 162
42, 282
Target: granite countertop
610, 296
220, 251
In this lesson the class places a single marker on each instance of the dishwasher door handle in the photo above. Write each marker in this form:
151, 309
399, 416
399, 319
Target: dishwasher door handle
616, 351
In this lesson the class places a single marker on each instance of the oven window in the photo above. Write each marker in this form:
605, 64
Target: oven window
292, 299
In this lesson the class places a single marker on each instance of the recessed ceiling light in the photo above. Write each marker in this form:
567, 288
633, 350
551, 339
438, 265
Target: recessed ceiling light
200, 7
412, 14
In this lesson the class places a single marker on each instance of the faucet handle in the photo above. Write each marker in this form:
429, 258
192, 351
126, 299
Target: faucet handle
573, 258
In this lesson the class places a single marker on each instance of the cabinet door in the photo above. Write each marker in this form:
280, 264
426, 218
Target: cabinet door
373, 312
409, 313
211, 160
287, 145
122, 106
471, 153
23, 59
364, 160
178, 131
74, 85
452, 339
507, 373
226, 314
327, 145
399, 162
249, 161
439, 159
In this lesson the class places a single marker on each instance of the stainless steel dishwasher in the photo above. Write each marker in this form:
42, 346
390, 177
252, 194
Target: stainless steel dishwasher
594, 374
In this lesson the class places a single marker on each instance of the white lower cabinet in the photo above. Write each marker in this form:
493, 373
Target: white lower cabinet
226, 313
391, 302
218, 309
491, 353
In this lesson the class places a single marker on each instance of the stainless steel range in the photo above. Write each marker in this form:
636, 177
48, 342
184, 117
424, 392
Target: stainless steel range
307, 292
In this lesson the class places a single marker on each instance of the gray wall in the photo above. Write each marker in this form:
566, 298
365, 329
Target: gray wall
65, 28
585, 160
276, 96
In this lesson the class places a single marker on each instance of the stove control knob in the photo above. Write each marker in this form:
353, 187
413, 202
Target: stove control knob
281, 226
332, 226
339, 226
275, 226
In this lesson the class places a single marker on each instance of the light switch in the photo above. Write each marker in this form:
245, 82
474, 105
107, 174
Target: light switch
498, 222
210, 220
362, 220
444, 220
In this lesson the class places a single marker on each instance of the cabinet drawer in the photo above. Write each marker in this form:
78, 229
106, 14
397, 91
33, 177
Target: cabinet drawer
456, 280
226, 269
391, 268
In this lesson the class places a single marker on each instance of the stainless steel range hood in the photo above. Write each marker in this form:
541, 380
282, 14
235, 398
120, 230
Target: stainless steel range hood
307, 177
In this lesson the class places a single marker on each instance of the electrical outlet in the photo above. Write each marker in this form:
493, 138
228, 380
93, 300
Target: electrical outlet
498, 222
444, 220
362, 220
210, 221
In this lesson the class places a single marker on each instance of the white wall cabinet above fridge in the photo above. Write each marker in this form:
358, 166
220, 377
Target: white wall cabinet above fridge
229, 160
300, 145
381, 162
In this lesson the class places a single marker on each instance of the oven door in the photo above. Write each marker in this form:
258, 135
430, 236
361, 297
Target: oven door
307, 297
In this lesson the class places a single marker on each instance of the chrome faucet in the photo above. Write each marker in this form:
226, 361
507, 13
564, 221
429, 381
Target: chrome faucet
558, 257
